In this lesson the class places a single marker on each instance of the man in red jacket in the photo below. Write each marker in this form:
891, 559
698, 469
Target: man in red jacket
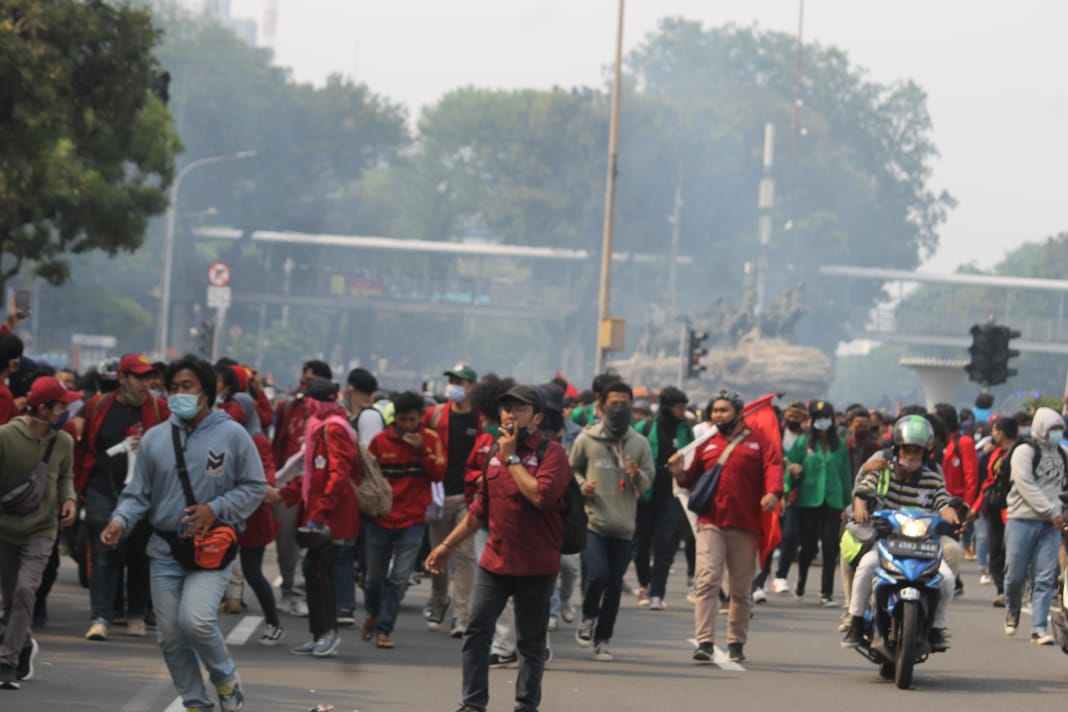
960, 467
112, 420
728, 531
329, 512
411, 457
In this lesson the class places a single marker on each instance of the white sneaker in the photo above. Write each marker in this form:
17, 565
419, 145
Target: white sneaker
554, 625
759, 596
567, 612
272, 635
985, 579
601, 653
656, 604
780, 585
1042, 638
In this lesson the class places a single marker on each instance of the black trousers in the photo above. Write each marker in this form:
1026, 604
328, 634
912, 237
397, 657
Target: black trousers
996, 543
657, 533
319, 573
819, 531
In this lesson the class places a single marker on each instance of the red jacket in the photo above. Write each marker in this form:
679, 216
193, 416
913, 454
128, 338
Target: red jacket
331, 498
262, 527
753, 470
960, 465
153, 412
7, 404
289, 435
442, 426
263, 408
476, 463
409, 472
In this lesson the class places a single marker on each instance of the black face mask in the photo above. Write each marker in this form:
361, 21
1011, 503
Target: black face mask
617, 420
728, 428
793, 426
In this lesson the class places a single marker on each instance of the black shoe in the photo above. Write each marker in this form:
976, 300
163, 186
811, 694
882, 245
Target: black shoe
958, 590
1012, 622
346, 617
704, 653
855, 634
502, 661
24, 669
939, 639
734, 652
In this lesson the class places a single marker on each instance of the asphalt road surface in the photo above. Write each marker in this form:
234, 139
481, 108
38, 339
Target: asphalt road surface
794, 663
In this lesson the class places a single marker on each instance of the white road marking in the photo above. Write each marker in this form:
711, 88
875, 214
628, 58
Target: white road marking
175, 706
148, 693
244, 630
720, 658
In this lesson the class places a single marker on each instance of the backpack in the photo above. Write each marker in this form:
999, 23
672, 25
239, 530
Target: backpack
374, 496
996, 496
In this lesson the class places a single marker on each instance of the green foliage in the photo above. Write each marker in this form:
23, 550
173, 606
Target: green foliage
88, 150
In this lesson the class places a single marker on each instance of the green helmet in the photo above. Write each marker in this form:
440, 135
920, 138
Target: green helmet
914, 430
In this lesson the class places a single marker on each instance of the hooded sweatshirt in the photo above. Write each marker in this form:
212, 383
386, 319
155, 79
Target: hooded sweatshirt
224, 472
1035, 490
595, 457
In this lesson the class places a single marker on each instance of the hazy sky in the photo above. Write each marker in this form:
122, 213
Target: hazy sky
994, 73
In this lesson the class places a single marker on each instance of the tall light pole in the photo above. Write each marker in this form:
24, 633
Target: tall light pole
604, 328
164, 317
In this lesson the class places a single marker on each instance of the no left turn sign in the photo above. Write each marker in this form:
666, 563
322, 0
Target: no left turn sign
219, 274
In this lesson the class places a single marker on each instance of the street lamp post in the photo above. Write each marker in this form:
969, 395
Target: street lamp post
164, 317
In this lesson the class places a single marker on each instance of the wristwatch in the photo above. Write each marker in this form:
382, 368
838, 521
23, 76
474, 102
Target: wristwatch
513, 460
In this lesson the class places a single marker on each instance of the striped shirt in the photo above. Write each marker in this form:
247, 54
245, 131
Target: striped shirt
927, 492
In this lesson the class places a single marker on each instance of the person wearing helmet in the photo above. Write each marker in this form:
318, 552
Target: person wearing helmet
902, 482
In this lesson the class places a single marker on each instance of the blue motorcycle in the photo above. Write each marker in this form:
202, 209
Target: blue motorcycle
907, 589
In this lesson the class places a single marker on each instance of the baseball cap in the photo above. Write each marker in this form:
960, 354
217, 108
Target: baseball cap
137, 364
47, 389
523, 394
462, 370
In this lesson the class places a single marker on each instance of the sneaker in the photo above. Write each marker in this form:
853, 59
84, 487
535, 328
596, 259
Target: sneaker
436, 616
843, 624
135, 627
643, 597
656, 604
939, 639
272, 635
780, 585
346, 617
548, 654
98, 630
855, 633
828, 602
24, 669
704, 652
1042, 638
327, 645
759, 596
305, 649
554, 624
999, 601
457, 628
297, 607
567, 612
230, 697
502, 661
8, 679
601, 653
958, 589
584, 633
1012, 622
734, 652
985, 579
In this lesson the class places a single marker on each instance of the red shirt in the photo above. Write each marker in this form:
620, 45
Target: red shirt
331, 497
153, 412
289, 435
476, 462
523, 539
753, 470
960, 465
409, 472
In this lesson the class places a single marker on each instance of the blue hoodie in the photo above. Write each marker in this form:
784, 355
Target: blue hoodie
224, 471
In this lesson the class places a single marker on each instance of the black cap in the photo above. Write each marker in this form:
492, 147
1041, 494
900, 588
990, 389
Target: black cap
321, 389
553, 397
523, 394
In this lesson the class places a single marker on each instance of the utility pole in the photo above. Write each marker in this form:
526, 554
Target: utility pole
605, 327
765, 203
673, 269
795, 139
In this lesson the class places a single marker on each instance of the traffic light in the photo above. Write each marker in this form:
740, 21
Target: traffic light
1000, 353
694, 352
979, 368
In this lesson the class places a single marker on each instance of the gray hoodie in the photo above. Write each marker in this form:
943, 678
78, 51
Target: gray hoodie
1034, 492
224, 471
596, 457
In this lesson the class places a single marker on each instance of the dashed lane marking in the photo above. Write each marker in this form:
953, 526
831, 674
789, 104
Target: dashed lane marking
244, 630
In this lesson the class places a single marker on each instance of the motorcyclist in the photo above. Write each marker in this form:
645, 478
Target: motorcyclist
902, 482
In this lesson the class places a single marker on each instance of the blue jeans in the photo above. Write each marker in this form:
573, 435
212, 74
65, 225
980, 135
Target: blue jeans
570, 565
345, 577
187, 612
1035, 544
982, 542
381, 595
606, 560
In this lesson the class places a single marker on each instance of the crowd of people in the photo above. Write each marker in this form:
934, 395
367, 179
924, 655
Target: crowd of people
172, 480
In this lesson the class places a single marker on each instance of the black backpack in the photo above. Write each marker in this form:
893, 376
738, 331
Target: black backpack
996, 496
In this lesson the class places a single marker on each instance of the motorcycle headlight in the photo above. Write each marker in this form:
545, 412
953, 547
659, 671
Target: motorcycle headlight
914, 528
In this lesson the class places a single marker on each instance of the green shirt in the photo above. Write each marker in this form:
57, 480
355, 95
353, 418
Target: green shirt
20, 453
825, 476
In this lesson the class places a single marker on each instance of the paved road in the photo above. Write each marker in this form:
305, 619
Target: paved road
795, 663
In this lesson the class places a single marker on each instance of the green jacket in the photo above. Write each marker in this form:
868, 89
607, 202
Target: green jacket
611, 509
651, 430
825, 477
20, 452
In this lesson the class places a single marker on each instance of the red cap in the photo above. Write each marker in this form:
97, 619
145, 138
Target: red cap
242, 376
137, 364
47, 390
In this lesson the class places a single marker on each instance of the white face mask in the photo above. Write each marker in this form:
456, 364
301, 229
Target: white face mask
455, 392
1055, 437
822, 424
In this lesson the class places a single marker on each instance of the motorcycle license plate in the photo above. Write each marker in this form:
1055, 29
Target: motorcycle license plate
912, 548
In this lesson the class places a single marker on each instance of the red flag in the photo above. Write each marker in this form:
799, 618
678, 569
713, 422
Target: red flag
760, 416
570, 391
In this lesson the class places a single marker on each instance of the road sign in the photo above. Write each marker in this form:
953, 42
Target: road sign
219, 297
219, 274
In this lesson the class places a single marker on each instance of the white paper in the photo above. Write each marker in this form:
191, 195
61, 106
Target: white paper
293, 469
690, 450
436, 510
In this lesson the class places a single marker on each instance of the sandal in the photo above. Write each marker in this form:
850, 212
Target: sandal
367, 630
383, 641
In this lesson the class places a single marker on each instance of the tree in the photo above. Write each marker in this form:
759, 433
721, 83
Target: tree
88, 149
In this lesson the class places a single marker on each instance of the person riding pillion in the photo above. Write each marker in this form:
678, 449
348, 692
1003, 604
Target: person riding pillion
902, 482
